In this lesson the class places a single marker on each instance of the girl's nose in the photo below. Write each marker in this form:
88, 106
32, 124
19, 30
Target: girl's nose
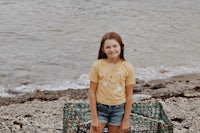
111, 49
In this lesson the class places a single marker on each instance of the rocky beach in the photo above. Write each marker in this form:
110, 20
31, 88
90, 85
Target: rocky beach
42, 111
47, 49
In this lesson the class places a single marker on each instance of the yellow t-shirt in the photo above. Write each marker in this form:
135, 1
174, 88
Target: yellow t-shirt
111, 81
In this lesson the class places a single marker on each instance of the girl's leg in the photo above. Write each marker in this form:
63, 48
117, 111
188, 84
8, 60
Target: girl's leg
94, 130
115, 120
113, 129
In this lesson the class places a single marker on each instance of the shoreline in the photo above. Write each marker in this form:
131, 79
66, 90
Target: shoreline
41, 111
185, 85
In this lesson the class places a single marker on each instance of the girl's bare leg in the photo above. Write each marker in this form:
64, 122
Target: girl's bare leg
113, 129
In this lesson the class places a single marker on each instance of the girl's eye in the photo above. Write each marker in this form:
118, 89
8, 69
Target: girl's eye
115, 46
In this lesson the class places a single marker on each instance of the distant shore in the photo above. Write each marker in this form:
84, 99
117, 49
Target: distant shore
41, 111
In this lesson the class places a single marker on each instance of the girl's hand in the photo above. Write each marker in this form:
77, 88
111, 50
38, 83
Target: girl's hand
124, 127
96, 125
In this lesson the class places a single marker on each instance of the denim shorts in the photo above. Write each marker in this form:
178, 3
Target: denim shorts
112, 115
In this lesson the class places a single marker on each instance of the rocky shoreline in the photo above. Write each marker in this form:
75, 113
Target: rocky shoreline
41, 111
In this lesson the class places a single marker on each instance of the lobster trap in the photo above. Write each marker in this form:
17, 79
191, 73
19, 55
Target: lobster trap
144, 118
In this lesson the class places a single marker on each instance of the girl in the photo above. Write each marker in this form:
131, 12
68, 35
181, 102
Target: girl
111, 87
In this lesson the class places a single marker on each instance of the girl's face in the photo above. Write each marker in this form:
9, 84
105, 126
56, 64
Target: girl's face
111, 48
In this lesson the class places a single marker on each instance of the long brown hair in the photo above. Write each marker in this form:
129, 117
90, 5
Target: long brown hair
115, 36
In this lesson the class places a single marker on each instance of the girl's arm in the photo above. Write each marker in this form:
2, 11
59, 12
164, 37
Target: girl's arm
92, 98
128, 107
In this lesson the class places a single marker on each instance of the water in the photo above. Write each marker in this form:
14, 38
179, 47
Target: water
50, 45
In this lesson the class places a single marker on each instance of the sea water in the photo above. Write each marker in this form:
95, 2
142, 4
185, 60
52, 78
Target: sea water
50, 45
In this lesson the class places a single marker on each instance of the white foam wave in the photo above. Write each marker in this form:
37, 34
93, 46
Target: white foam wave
150, 73
3, 92
81, 83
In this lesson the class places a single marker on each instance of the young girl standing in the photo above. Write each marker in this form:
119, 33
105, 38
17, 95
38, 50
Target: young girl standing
111, 87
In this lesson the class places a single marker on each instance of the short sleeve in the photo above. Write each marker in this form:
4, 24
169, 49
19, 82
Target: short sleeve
130, 79
94, 73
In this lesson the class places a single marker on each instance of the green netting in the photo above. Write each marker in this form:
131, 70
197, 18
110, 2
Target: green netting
145, 118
